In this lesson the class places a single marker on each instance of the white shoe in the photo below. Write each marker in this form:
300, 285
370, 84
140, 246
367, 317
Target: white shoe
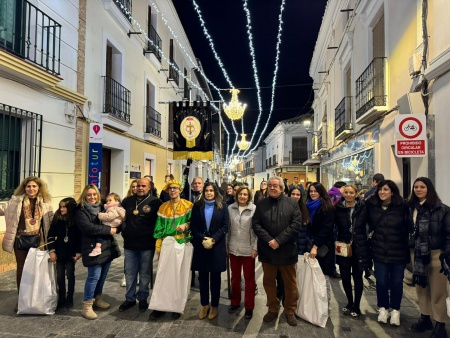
123, 282
383, 315
395, 317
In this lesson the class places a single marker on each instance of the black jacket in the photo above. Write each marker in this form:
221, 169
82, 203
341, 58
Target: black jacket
389, 242
138, 229
302, 239
278, 219
360, 245
64, 250
215, 259
439, 227
91, 227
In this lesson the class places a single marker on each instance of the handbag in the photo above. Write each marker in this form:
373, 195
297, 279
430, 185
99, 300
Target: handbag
26, 242
343, 249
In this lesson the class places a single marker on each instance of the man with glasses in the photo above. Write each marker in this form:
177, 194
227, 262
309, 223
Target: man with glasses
276, 223
139, 243
173, 220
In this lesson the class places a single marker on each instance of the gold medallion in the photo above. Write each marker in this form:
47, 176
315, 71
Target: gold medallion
136, 212
190, 128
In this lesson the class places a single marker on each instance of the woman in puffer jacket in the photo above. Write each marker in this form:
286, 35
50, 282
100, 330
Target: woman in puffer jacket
242, 250
431, 236
350, 220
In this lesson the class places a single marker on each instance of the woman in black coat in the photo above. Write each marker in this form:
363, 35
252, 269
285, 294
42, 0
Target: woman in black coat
209, 225
87, 220
389, 224
350, 220
431, 234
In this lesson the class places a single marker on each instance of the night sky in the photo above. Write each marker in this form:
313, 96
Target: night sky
226, 22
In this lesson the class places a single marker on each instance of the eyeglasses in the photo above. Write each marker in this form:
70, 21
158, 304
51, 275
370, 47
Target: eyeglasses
274, 186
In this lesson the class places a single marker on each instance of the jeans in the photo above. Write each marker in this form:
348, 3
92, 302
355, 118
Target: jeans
138, 262
63, 269
209, 281
389, 276
95, 280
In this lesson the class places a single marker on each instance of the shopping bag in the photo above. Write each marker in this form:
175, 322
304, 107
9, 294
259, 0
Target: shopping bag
38, 292
312, 303
447, 300
173, 278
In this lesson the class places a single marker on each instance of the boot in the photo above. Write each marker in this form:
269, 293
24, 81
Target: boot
439, 331
87, 311
203, 312
424, 323
101, 304
213, 311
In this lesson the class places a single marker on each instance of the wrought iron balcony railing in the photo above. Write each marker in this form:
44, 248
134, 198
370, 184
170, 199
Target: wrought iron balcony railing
29, 33
342, 116
117, 99
157, 43
124, 6
370, 87
173, 73
152, 121
322, 138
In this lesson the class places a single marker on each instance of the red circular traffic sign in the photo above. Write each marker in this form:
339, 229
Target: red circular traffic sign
412, 129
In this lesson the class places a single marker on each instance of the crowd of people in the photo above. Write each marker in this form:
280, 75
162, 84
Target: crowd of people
278, 224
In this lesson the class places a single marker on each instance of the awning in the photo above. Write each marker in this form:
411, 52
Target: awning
311, 162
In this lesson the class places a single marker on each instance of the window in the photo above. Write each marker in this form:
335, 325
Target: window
20, 147
186, 88
299, 150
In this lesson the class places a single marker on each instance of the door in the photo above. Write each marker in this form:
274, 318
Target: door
106, 173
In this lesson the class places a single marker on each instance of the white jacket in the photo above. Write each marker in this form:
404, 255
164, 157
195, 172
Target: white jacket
241, 239
11, 210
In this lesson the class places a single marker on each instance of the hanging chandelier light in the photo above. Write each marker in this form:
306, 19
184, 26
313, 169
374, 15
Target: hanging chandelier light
235, 109
235, 161
243, 144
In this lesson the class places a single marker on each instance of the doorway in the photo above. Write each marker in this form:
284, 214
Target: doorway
106, 173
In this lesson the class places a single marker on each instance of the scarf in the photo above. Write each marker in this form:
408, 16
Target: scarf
93, 209
422, 253
32, 218
313, 206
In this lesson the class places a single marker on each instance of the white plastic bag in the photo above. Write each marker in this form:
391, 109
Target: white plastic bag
38, 292
447, 300
173, 278
312, 303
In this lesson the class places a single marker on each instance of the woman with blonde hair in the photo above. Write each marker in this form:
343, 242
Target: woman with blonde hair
98, 266
133, 188
28, 216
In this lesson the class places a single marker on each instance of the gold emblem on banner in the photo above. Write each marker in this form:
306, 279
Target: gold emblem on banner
190, 129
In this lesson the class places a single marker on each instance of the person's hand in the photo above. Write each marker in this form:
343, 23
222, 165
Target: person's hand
76, 258
113, 231
445, 263
313, 252
208, 243
53, 257
181, 228
254, 253
274, 244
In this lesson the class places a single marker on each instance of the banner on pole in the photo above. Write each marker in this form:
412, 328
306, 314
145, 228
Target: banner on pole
95, 154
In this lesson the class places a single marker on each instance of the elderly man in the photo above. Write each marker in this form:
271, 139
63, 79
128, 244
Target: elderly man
276, 223
139, 243
173, 220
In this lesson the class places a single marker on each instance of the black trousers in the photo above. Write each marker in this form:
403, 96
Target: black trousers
209, 281
348, 269
63, 270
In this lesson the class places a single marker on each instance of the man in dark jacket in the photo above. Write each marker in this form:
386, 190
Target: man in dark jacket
139, 243
276, 223
377, 178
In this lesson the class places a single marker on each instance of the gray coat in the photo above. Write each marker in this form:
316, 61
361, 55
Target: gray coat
241, 239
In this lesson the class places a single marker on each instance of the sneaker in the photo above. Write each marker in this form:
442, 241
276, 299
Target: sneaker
124, 281
233, 308
270, 316
143, 305
347, 309
155, 314
96, 252
383, 315
395, 317
126, 305
248, 314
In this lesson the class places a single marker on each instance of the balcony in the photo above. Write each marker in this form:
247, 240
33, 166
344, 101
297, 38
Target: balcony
152, 122
173, 73
124, 6
30, 34
157, 43
371, 97
343, 119
116, 109
322, 145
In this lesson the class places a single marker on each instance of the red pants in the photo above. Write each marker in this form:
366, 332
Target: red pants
237, 264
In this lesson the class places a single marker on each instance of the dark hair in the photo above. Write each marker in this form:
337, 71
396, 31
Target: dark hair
70, 204
432, 196
217, 195
378, 178
396, 198
339, 184
301, 204
326, 203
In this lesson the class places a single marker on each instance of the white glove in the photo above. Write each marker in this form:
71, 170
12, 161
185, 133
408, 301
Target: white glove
208, 243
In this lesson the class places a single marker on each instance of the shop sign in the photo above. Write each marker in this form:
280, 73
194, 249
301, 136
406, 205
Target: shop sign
410, 136
95, 154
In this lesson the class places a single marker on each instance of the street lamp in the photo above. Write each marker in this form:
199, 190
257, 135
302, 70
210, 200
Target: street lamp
307, 124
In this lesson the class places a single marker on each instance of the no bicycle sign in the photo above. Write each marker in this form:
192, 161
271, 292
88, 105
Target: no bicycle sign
410, 136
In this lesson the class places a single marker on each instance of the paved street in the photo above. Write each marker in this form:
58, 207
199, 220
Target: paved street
132, 323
